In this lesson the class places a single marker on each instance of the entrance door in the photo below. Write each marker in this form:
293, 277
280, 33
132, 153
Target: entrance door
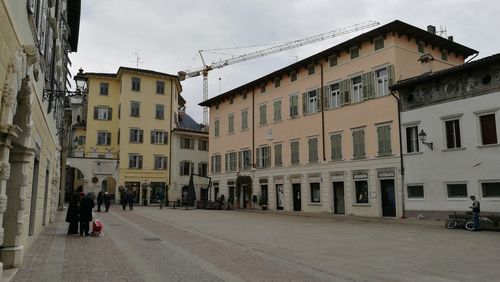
34, 190
388, 197
279, 197
296, 197
263, 192
338, 198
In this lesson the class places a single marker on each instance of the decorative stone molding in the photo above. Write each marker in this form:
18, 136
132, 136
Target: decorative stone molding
20, 227
22, 203
4, 170
3, 203
31, 54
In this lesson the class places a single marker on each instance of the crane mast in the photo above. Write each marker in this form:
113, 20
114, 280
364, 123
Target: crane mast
203, 70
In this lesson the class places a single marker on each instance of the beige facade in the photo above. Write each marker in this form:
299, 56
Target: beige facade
322, 135
33, 57
123, 138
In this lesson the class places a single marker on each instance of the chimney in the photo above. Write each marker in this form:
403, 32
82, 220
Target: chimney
431, 29
450, 38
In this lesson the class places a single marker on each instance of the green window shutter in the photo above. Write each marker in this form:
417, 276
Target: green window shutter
304, 103
388, 141
326, 97
381, 140
362, 144
108, 138
390, 75
141, 136
152, 136
336, 148
370, 85
226, 162
319, 100
96, 112
364, 83
258, 157
110, 113
345, 91
355, 147
291, 105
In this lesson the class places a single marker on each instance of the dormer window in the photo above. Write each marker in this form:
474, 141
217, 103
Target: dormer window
354, 51
444, 55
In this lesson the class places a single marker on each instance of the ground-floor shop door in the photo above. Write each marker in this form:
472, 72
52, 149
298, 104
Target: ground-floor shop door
388, 197
338, 198
296, 197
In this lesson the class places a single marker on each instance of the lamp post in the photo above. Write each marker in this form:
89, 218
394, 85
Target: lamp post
422, 136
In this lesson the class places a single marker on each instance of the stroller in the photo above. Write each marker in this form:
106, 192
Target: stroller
97, 228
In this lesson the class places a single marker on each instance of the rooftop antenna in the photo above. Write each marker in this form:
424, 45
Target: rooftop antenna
137, 60
443, 32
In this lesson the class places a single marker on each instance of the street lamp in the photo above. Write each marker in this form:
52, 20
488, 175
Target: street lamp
422, 136
81, 89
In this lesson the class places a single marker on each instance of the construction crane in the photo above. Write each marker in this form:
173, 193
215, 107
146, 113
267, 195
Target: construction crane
203, 70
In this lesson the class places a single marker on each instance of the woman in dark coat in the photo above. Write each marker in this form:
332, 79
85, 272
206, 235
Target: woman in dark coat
86, 206
72, 214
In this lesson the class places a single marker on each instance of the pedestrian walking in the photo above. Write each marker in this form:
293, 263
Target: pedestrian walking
100, 200
86, 206
161, 198
72, 214
131, 199
124, 198
475, 212
107, 201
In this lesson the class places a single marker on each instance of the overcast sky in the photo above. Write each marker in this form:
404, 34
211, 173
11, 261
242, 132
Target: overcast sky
168, 34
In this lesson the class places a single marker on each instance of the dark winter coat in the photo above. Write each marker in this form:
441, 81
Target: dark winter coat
86, 206
72, 214
100, 197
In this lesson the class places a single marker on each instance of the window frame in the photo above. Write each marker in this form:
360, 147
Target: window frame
244, 119
354, 52
333, 152
263, 114
103, 135
277, 110
497, 196
295, 156
160, 87
448, 186
409, 197
278, 155
315, 187
135, 158
135, 109
159, 108
356, 90
137, 137
481, 126
294, 108
136, 84
104, 88
378, 43
361, 200
162, 160
313, 154
386, 143
382, 82
217, 128
335, 99
412, 140
230, 123
457, 138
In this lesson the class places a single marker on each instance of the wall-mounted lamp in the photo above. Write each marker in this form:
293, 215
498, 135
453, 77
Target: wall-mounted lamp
81, 91
422, 136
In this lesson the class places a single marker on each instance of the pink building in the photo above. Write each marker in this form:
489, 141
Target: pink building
322, 134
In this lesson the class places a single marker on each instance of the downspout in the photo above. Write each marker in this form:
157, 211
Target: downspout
253, 128
400, 154
321, 91
170, 137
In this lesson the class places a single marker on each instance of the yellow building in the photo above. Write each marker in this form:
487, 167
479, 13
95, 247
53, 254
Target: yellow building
122, 137
35, 38
321, 135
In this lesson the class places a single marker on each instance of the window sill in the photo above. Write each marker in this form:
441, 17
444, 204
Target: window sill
337, 160
362, 205
491, 199
415, 199
458, 199
262, 124
413, 153
361, 158
230, 133
244, 129
294, 117
277, 121
384, 156
454, 149
489, 146
315, 204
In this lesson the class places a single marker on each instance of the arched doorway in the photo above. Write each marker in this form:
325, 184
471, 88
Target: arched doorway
74, 182
109, 185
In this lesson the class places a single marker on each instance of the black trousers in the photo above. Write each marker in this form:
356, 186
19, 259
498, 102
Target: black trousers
84, 228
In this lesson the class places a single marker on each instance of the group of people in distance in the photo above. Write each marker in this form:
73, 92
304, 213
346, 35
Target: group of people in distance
80, 211
127, 197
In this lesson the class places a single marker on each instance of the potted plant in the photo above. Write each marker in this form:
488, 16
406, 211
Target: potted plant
263, 202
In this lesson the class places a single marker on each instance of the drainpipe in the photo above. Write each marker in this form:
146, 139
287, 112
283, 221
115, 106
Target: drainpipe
400, 154
321, 91
253, 127
170, 137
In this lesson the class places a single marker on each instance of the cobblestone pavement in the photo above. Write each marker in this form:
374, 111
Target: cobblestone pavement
149, 244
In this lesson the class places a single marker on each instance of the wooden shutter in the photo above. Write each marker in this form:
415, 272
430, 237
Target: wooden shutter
390, 75
326, 97
212, 164
96, 112
362, 143
165, 137
239, 160
259, 165
165, 162
108, 138
367, 81
345, 91
304, 103
131, 135
153, 137
181, 167
488, 129
141, 137
319, 101
110, 113
140, 161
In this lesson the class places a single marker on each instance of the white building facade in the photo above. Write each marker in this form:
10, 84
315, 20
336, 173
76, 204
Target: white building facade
459, 111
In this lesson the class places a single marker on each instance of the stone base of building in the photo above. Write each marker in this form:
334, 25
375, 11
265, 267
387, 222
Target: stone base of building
12, 257
438, 214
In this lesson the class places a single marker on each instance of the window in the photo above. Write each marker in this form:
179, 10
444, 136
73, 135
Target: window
333, 60
103, 138
216, 128
361, 190
102, 113
160, 110
444, 55
278, 155
160, 162
263, 157
491, 189
378, 43
315, 193
313, 149
384, 140
488, 129
311, 102
215, 164
382, 82
293, 76
311, 69
231, 162
277, 110
334, 99
104, 89
203, 145
185, 168
412, 139
231, 100
452, 128
245, 162
358, 140
294, 106
159, 137
294, 148
135, 161
160, 87
357, 89
263, 114
244, 120
136, 84
336, 143
136, 135
458, 190
135, 109
421, 47
187, 143
81, 140
244, 95
354, 51
277, 82
262, 87
203, 169
415, 191
230, 123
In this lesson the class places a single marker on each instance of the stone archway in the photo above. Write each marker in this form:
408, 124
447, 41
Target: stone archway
109, 185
